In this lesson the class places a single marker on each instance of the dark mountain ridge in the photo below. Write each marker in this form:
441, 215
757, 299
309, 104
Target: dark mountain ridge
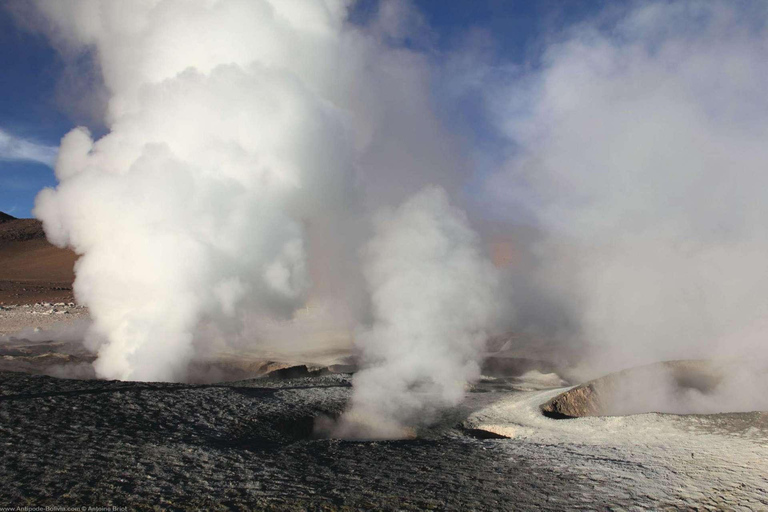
4, 217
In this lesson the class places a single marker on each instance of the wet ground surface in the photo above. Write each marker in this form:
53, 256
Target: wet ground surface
249, 445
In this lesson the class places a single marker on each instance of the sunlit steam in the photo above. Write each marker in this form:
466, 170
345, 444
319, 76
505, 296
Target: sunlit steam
249, 145
433, 294
642, 154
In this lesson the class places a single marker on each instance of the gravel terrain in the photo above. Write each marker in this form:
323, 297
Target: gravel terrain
39, 316
249, 445
683, 462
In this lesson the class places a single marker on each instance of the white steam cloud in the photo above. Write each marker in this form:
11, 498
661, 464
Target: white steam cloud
195, 198
16, 148
433, 294
249, 144
643, 155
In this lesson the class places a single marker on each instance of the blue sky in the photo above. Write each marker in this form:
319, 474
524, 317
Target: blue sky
28, 110
31, 110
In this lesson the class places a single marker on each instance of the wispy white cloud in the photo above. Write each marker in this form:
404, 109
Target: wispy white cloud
16, 148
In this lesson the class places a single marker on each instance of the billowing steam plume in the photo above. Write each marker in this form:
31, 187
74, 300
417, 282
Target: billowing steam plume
433, 300
249, 143
643, 155
222, 139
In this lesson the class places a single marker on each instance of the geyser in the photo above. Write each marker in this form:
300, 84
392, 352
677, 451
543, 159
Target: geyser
641, 153
249, 147
218, 146
434, 297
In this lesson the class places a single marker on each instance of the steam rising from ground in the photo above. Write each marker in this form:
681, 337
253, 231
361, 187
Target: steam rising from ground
195, 198
643, 156
712, 387
433, 300
248, 144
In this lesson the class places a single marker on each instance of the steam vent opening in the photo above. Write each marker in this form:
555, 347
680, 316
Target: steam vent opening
674, 387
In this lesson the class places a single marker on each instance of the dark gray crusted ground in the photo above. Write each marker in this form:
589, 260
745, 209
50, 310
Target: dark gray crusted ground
248, 445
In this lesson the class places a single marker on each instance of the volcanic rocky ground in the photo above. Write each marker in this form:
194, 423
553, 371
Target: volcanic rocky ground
251, 443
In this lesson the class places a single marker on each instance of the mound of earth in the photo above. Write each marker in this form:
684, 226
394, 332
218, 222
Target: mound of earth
678, 387
19, 230
231, 369
31, 269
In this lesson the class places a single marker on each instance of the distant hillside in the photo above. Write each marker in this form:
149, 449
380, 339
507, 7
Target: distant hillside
31, 269
4, 217
18, 230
